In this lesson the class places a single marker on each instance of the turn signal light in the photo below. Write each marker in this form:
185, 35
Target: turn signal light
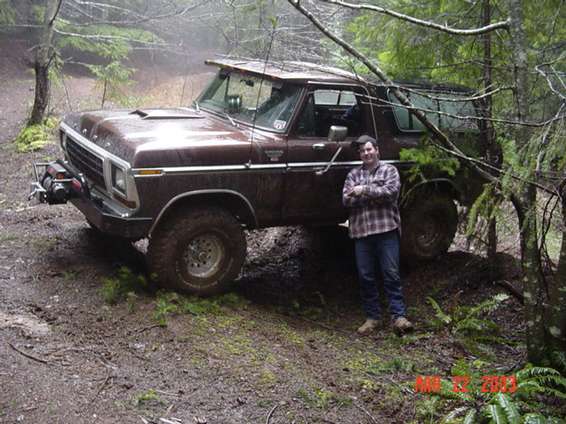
149, 172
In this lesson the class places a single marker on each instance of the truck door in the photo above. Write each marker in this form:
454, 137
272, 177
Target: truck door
313, 191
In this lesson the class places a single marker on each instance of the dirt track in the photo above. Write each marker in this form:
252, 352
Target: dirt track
281, 350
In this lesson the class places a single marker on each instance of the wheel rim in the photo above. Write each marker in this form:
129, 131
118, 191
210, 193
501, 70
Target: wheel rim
204, 255
429, 235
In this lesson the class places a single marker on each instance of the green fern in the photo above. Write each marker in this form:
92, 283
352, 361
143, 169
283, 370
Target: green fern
470, 417
541, 380
496, 415
468, 325
559, 361
35, 137
505, 408
438, 312
508, 407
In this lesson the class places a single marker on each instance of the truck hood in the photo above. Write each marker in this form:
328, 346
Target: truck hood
165, 137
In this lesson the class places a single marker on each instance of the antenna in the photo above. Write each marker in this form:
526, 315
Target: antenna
273, 28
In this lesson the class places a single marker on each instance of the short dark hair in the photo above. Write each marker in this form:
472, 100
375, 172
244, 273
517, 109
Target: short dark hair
363, 139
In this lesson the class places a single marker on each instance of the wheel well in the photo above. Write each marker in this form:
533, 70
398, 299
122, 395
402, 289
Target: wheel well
233, 202
439, 186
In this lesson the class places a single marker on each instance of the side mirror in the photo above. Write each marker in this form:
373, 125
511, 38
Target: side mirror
337, 133
234, 102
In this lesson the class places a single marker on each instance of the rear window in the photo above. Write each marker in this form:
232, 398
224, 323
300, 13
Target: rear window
407, 122
334, 98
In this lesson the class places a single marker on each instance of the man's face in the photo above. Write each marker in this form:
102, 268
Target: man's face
369, 154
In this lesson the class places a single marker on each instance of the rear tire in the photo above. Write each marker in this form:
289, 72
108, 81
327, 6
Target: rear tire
199, 252
428, 227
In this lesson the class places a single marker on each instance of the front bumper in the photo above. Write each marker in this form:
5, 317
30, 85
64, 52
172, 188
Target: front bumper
60, 183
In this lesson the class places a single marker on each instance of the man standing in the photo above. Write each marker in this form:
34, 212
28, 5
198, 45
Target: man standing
371, 192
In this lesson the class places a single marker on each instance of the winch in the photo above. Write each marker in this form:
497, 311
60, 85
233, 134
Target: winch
57, 184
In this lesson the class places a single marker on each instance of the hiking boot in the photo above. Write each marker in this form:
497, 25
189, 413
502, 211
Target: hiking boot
368, 326
402, 325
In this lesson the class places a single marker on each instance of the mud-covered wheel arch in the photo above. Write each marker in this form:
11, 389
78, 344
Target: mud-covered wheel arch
428, 225
198, 251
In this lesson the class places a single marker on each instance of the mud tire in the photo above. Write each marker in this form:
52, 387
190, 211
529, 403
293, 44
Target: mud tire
428, 227
199, 252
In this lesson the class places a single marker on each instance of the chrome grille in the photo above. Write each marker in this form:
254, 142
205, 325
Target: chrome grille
85, 161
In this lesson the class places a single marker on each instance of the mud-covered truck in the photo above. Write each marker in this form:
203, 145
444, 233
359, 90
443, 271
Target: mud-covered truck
265, 144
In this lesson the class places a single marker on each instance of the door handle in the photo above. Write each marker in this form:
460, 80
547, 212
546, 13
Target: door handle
318, 146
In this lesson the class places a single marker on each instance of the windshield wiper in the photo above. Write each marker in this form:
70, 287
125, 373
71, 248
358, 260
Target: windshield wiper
231, 120
197, 107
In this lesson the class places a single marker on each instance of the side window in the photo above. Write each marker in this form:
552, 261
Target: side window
407, 122
465, 108
331, 106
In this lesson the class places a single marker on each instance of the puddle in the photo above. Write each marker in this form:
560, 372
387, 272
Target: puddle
27, 322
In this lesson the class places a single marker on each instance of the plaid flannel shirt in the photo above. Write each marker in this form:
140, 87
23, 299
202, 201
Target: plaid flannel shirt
376, 210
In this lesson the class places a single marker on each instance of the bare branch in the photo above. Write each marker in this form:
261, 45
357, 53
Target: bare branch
455, 99
107, 37
437, 133
546, 76
557, 117
544, 141
421, 22
141, 19
445, 143
56, 12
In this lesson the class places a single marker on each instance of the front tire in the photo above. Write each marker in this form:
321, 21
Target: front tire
200, 252
428, 227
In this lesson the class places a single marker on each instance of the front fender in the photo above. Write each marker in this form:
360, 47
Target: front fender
234, 202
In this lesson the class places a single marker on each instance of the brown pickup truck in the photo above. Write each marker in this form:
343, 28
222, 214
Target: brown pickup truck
265, 144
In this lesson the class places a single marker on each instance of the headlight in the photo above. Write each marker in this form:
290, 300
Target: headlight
119, 179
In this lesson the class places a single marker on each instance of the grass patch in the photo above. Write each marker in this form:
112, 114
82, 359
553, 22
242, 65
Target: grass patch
321, 398
291, 335
267, 378
238, 345
149, 396
172, 303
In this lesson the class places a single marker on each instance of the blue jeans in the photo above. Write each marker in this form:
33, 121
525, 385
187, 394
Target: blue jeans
380, 251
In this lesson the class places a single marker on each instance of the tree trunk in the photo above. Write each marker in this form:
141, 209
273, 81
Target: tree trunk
557, 296
42, 91
486, 127
533, 283
43, 59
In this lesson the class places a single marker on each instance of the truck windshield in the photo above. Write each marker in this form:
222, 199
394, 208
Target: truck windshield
268, 104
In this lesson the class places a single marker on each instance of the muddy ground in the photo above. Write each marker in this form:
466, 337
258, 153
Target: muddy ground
281, 349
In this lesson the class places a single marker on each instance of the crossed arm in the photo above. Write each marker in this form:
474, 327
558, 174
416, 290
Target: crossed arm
355, 194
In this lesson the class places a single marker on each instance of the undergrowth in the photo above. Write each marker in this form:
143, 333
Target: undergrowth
35, 137
536, 397
469, 324
126, 285
123, 286
171, 303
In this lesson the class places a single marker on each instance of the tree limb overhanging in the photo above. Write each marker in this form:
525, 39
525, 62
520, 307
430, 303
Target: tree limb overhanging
421, 22
420, 115
60, 2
